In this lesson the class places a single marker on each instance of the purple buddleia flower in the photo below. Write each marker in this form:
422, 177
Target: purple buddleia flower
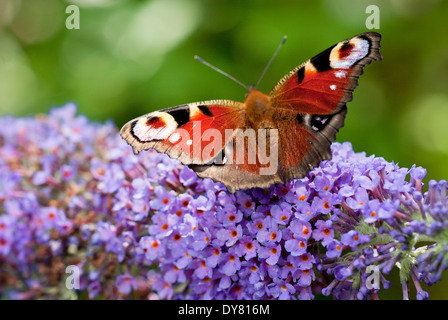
247, 247
252, 271
296, 246
5, 244
164, 199
113, 179
323, 232
125, 284
281, 214
305, 261
187, 176
173, 274
201, 239
163, 288
301, 229
342, 273
212, 256
149, 226
281, 290
359, 199
271, 254
230, 263
245, 202
150, 247
322, 182
270, 235
351, 238
370, 211
229, 236
201, 270
163, 224
68, 172
230, 217
94, 289
334, 249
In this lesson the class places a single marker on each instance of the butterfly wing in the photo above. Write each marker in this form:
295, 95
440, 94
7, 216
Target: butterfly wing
207, 137
325, 83
194, 133
310, 102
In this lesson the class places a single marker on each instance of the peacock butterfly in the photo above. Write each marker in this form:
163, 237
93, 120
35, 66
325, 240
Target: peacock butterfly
269, 138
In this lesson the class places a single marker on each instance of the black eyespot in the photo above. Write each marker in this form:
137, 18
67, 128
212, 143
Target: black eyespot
319, 122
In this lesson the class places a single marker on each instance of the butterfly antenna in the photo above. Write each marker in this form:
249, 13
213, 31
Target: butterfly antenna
272, 59
220, 71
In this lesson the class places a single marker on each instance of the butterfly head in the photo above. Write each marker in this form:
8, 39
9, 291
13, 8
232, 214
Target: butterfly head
250, 89
256, 102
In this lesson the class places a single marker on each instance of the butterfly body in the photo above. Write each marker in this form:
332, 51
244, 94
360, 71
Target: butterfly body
268, 138
257, 105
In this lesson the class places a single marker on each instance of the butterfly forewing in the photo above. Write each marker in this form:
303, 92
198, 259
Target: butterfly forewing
193, 133
324, 83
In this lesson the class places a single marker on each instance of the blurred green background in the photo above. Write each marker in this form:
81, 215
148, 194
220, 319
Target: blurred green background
132, 57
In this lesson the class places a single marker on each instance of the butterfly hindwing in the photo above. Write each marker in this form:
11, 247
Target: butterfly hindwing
309, 136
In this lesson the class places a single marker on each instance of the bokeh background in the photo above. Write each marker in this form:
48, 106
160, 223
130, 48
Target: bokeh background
130, 57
